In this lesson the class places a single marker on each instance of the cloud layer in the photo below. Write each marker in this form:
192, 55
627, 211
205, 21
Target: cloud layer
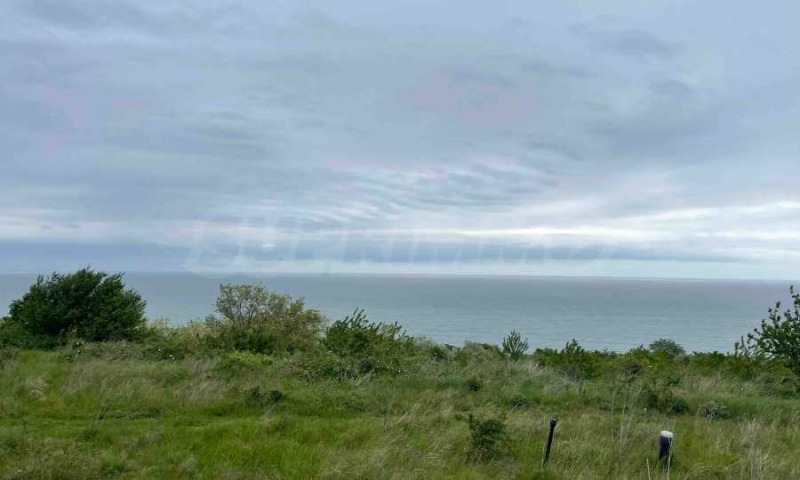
616, 139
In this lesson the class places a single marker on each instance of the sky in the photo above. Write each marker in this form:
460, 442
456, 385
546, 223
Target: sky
615, 138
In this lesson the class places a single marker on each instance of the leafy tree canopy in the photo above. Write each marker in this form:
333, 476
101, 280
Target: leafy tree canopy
91, 305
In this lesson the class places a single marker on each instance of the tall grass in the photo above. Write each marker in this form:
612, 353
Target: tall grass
121, 410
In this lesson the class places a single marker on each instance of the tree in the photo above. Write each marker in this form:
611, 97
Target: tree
778, 337
91, 305
664, 347
514, 346
255, 319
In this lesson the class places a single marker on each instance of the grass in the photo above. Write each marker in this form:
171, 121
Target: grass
103, 412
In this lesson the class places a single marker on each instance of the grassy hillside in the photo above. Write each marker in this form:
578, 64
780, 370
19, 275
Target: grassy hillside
127, 410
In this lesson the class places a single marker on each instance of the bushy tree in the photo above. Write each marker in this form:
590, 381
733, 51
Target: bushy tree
670, 349
778, 337
90, 305
514, 345
252, 318
369, 346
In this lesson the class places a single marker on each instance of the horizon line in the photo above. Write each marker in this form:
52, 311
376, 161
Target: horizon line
211, 273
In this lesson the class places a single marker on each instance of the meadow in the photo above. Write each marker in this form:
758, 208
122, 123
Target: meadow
269, 389
123, 410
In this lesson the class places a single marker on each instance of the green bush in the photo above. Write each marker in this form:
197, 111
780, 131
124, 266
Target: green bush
777, 383
709, 363
473, 352
657, 394
322, 364
251, 318
237, 363
627, 367
664, 400
514, 345
367, 346
488, 438
776, 338
439, 353
13, 335
89, 305
573, 360
666, 348
736, 365
164, 342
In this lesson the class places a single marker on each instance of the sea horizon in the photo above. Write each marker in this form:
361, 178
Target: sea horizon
218, 275
614, 313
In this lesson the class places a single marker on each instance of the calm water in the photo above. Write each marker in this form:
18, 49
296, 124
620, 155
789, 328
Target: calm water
600, 313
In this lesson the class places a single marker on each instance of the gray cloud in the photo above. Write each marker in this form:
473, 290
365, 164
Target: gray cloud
637, 44
91, 15
265, 132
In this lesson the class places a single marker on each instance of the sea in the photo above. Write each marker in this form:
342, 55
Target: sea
600, 313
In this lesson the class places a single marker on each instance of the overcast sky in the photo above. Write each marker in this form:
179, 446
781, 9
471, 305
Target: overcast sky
622, 138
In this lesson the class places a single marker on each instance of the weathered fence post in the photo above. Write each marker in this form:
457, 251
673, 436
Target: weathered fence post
553, 423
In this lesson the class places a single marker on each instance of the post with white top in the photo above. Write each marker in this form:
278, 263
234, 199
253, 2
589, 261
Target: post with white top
665, 448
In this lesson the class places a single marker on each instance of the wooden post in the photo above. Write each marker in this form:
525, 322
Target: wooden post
553, 423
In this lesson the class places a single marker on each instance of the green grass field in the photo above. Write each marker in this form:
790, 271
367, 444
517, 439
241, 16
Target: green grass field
111, 411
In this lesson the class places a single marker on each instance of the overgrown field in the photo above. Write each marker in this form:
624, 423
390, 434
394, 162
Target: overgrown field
150, 410
267, 388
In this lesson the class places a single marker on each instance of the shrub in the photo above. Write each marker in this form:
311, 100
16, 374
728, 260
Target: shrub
664, 401
163, 342
368, 346
778, 338
659, 396
709, 363
473, 352
252, 318
238, 363
89, 305
322, 363
439, 353
514, 346
666, 348
627, 368
678, 405
488, 438
13, 335
573, 360
779, 384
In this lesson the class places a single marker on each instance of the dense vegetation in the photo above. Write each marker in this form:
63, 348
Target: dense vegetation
264, 389
778, 337
89, 305
251, 318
